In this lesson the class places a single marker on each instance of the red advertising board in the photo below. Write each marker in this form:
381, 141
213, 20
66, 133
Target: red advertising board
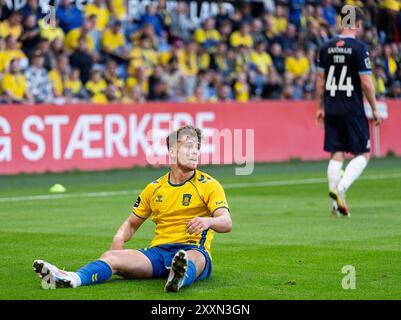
94, 137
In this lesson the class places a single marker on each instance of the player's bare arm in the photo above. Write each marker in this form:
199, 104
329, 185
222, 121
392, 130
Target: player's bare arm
220, 222
126, 232
320, 94
369, 91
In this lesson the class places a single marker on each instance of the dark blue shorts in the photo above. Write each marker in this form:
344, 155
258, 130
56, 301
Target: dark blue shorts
346, 133
161, 258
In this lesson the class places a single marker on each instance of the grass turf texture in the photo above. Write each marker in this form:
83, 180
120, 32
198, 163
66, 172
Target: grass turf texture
284, 243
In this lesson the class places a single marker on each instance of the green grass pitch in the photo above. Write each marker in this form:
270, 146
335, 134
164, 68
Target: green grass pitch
284, 243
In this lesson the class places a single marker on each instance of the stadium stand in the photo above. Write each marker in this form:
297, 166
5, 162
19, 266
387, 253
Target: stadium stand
101, 55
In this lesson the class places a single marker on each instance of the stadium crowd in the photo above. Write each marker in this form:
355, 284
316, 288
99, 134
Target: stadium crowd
99, 55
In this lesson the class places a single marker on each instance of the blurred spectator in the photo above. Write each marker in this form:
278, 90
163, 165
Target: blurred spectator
70, 17
73, 89
158, 89
151, 17
14, 52
51, 33
174, 79
241, 88
278, 58
181, 25
297, 65
207, 36
30, 36
38, 79
113, 43
59, 75
99, 9
288, 40
224, 93
14, 85
82, 60
139, 79
96, 86
395, 90
242, 37
198, 96
134, 95
32, 8
71, 39
12, 26
379, 81
329, 13
222, 15
295, 14
5, 12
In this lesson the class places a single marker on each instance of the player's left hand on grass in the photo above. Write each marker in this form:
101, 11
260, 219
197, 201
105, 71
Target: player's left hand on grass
320, 117
197, 225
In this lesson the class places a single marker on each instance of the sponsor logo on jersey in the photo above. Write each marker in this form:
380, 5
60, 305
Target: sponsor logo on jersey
340, 43
219, 202
186, 199
137, 202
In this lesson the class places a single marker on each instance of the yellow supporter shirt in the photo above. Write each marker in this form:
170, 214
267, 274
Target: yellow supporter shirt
9, 55
279, 24
95, 88
262, 60
236, 39
202, 35
99, 98
71, 40
120, 10
188, 62
171, 207
51, 33
112, 41
3, 61
57, 82
102, 15
6, 29
391, 5
132, 82
74, 86
392, 65
241, 93
14, 83
297, 67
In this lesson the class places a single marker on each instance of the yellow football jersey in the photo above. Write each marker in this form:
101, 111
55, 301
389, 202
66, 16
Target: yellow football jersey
172, 206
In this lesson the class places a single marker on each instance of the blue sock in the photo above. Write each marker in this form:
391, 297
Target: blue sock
95, 272
190, 276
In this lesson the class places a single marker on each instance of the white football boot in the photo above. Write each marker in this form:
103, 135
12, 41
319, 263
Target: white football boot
52, 277
177, 273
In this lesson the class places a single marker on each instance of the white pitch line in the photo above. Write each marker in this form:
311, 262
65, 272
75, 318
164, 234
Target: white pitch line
225, 186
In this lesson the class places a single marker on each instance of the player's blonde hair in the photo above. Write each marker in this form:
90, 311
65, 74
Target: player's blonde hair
188, 130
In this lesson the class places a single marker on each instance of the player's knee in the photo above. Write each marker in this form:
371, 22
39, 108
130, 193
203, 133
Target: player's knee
111, 258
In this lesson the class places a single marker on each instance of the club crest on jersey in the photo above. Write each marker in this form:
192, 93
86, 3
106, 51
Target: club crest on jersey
340, 43
186, 199
159, 198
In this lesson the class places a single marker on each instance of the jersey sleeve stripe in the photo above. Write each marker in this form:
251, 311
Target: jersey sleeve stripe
320, 69
220, 208
138, 216
365, 72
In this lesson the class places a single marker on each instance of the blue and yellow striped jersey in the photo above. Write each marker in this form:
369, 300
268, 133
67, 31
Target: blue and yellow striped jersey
172, 206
